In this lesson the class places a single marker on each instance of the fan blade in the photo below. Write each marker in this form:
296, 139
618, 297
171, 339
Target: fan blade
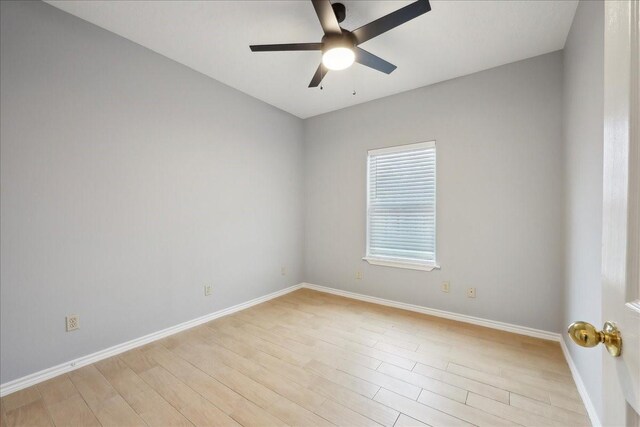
319, 75
370, 60
392, 20
285, 47
327, 17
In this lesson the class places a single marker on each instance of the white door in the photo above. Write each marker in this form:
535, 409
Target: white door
621, 212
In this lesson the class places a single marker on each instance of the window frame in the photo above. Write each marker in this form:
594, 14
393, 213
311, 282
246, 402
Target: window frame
408, 263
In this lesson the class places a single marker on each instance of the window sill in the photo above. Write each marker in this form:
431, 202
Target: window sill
401, 264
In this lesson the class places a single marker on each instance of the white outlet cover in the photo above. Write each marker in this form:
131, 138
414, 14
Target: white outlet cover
73, 322
208, 290
445, 287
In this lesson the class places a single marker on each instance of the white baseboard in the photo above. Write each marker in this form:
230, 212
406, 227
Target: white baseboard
588, 403
45, 374
508, 327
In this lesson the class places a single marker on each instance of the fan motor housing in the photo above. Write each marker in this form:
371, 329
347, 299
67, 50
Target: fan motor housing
346, 39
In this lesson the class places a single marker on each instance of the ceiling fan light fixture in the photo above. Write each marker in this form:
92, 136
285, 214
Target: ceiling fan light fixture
340, 48
338, 58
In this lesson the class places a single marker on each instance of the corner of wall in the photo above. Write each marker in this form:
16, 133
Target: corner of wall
582, 389
582, 122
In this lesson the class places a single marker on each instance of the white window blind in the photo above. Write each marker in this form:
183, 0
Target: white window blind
401, 206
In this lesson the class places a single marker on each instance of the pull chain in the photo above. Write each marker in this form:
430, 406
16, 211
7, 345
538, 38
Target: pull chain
353, 79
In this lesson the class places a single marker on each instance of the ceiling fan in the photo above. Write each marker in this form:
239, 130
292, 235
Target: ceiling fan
339, 47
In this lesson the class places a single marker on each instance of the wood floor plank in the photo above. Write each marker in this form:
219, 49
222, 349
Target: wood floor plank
283, 386
439, 362
338, 331
147, 403
342, 415
103, 400
115, 411
432, 344
20, 398
360, 404
554, 385
382, 355
405, 421
571, 404
500, 382
57, 389
292, 338
308, 378
462, 382
436, 386
548, 411
460, 410
512, 352
382, 337
299, 342
543, 374
93, 387
349, 341
343, 342
304, 369
506, 356
508, 412
344, 379
72, 411
32, 414
276, 350
383, 380
232, 378
138, 361
3, 416
235, 405
470, 358
417, 410
285, 380
329, 349
264, 397
193, 406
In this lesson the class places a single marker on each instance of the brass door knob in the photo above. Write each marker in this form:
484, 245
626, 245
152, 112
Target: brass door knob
586, 335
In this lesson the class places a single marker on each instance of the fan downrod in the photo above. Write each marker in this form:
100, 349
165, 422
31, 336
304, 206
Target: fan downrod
340, 11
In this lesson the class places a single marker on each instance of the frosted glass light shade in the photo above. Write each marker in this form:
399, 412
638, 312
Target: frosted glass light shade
338, 58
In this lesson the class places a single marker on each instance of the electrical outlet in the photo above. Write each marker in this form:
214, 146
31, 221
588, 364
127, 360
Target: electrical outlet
358, 275
73, 322
471, 292
208, 290
283, 271
445, 287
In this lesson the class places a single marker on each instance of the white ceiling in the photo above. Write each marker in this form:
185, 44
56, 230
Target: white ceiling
454, 39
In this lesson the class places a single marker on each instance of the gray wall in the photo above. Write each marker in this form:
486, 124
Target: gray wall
129, 182
500, 205
583, 135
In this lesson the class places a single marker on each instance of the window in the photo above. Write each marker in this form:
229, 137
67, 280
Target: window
401, 206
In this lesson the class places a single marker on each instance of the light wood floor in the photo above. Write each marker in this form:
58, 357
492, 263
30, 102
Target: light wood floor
310, 358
